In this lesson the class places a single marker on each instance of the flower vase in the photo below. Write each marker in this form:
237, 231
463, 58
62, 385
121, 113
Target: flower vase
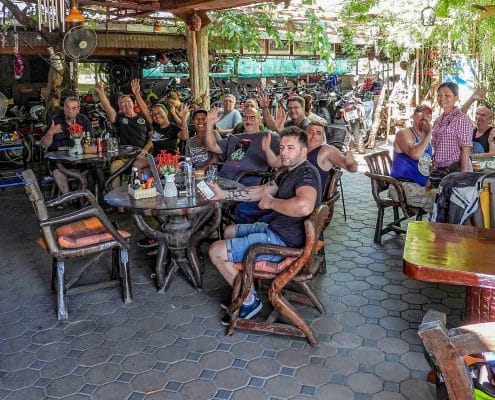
169, 190
76, 149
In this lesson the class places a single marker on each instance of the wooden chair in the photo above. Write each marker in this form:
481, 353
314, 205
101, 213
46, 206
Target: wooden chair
330, 197
447, 348
83, 232
298, 266
379, 165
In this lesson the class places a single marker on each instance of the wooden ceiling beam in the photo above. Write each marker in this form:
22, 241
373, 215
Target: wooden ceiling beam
123, 5
185, 6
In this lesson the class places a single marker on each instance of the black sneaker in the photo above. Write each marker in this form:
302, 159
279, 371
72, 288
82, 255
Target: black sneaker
147, 243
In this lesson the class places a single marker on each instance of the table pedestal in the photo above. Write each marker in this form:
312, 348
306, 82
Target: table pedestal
479, 305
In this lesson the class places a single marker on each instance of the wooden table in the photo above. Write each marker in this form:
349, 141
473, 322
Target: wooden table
457, 255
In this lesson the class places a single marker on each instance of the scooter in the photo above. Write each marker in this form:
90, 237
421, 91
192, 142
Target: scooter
352, 112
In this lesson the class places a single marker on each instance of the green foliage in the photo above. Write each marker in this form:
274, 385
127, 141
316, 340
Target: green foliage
358, 6
234, 30
347, 44
315, 32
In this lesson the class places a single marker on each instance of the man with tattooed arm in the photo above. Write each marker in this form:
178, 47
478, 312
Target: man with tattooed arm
291, 198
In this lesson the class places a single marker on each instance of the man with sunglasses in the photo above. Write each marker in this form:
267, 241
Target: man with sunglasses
242, 151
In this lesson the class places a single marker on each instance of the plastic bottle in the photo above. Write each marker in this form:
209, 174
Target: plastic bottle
187, 169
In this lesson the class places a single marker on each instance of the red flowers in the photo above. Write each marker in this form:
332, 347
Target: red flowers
76, 131
167, 163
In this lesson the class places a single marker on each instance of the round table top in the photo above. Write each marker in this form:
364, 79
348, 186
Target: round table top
63, 155
179, 205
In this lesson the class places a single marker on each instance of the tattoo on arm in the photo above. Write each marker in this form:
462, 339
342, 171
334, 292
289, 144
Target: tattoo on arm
239, 194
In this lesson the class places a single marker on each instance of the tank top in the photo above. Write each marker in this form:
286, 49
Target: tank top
406, 168
482, 140
313, 159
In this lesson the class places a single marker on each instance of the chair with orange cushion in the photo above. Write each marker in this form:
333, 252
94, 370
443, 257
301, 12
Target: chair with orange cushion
83, 232
298, 267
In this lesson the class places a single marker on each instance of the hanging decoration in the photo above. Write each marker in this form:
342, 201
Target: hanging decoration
18, 61
51, 14
194, 22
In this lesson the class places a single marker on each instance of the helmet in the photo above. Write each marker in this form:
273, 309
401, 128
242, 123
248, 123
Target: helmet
36, 112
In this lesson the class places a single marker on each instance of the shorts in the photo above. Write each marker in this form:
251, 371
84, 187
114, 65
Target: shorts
248, 235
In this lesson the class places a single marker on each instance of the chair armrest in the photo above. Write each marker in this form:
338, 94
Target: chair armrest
250, 264
85, 193
86, 212
388, 180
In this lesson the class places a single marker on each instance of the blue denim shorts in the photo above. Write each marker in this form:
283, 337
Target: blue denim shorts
246, 236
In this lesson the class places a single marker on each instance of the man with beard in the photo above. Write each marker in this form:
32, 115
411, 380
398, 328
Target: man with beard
291, 198
242, 151
57, 136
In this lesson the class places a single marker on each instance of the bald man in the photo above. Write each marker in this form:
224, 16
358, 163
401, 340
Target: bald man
484, 134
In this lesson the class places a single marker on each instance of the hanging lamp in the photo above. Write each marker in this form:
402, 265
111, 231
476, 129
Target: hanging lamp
74, 16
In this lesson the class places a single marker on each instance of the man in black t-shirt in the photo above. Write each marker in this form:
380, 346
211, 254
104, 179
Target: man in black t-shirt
291, 198
133, 128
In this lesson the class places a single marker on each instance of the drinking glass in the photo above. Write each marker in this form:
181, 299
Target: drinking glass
112, 145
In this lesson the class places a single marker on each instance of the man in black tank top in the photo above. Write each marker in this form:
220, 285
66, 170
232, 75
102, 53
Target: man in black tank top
484, 134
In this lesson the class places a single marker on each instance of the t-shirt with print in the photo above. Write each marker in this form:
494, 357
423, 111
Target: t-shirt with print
291, 229
243, 152
165, 138
229, 120
197, 152
132, 131
62, 139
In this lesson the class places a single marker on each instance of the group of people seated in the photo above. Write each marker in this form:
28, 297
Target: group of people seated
252, 140
425, 153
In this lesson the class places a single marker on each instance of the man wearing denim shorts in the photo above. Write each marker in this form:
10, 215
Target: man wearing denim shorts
291, 198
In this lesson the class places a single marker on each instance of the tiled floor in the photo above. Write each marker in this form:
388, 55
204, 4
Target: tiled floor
172, 346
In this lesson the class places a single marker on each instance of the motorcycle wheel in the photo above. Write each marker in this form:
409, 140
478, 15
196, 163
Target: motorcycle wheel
332, 110
325, 114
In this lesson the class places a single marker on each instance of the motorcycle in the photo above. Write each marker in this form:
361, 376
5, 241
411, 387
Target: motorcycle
353, 112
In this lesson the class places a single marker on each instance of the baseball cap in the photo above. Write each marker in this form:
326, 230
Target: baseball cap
199, 111
423, 108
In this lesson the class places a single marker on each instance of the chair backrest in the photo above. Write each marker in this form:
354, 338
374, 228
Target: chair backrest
34, 193
448, 348
331, 194
379, 163
314, 227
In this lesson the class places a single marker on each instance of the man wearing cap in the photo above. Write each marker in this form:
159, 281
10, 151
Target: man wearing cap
412, 159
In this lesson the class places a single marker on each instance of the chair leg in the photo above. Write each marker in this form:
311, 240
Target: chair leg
125, 275
311, 295
62, 313
396, 216
289, 312
379, 224
53, 276
343, 200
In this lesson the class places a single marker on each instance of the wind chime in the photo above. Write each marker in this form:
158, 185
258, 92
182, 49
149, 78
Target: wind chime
51, 13
18, 61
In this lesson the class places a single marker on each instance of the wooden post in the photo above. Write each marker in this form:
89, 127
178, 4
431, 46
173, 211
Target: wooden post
417, 72
192, 58
203, 65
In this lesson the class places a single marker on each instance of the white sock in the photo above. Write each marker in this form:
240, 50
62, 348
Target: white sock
251, 297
